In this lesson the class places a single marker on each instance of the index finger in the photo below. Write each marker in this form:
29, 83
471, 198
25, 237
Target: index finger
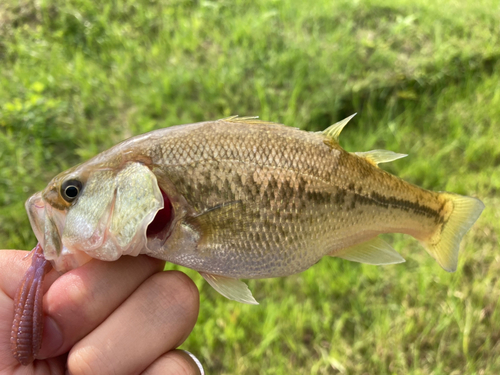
83, 298
155, 319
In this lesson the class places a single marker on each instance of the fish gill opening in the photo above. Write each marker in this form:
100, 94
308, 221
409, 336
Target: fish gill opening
158, 229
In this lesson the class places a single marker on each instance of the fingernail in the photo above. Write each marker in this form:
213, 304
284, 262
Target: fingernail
52, 339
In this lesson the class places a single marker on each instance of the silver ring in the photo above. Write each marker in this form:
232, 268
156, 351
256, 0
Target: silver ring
196, 360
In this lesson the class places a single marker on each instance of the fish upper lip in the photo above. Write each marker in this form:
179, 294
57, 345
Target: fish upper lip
35, 207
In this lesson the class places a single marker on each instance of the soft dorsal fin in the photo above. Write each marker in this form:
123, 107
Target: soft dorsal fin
230, 288
333, 131
374, 251
247, 120
380, 156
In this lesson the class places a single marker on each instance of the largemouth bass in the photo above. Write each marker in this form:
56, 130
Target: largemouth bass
241, 198
234, 198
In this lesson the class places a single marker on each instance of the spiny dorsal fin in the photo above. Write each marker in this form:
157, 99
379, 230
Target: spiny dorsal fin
380, 156
334, 130
374, 251
247, 120
230, 288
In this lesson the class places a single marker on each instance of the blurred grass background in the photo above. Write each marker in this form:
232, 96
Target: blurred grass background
78, 76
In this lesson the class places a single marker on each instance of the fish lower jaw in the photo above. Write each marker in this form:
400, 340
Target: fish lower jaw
69, 260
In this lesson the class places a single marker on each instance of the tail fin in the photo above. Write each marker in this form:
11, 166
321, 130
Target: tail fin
445, 244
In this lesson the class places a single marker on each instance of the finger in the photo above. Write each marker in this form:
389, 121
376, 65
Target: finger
175, 362
158, 317
83, 298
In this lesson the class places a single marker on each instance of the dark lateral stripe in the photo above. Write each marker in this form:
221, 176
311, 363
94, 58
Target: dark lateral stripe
405, 205
374, 198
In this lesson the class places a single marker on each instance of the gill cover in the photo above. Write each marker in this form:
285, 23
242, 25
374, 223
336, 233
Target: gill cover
111, 215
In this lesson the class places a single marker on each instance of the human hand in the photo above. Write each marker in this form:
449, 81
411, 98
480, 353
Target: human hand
123, 317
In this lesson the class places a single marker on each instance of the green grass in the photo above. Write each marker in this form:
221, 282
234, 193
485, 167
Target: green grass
77, 77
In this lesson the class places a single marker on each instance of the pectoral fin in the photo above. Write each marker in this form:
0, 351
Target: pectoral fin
230, 288
221, 221
375, 251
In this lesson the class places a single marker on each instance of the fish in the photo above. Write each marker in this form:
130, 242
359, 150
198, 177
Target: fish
241, 198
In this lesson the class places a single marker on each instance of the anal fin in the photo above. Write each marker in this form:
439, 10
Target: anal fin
230, 288
375, 251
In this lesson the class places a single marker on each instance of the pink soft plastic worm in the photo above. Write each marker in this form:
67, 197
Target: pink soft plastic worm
27, 327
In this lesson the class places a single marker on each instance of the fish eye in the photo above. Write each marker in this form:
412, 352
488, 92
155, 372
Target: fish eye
70, 190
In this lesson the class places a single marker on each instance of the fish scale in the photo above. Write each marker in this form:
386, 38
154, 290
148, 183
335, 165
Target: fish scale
248, 199
234, 198
316, 181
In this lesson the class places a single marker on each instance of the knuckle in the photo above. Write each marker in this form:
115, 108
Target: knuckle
77, 294
85, 361
184, 367
76, 299
173, 362
179, 291
186, 287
